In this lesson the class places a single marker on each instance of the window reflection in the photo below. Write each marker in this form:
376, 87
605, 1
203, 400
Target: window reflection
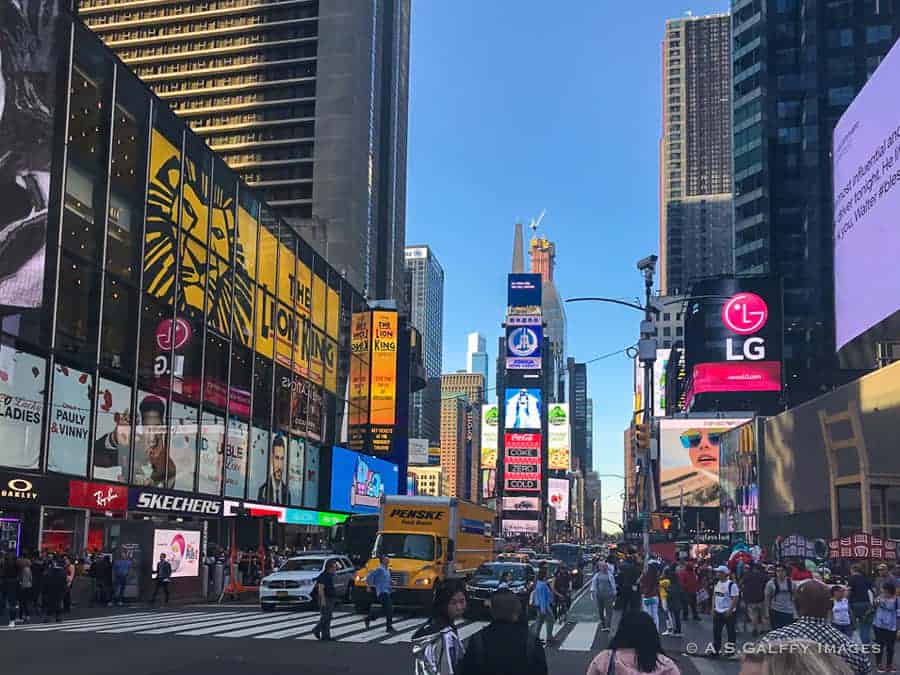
70, 420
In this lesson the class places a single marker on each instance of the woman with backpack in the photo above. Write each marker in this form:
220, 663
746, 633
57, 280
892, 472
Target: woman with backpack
780, 599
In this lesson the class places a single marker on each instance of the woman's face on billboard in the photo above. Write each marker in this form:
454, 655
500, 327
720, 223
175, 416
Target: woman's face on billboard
703, 448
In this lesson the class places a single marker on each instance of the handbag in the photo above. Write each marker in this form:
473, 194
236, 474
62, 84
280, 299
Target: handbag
611, 668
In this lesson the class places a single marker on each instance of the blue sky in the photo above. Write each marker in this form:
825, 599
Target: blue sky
521, 106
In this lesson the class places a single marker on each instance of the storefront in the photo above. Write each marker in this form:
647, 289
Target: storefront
21, 513
177, 524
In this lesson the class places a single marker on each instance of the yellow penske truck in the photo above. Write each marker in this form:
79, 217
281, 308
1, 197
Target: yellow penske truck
428, 540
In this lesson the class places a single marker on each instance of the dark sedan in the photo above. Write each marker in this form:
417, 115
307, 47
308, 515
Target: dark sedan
491, 577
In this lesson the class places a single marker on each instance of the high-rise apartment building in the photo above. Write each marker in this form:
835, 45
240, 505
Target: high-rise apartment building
542, 255
797, 64
695, 152
428, 480
426, 298
476, 355
579, 412
461, 397
305, 99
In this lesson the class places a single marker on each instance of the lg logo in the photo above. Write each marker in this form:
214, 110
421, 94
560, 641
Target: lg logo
745, 314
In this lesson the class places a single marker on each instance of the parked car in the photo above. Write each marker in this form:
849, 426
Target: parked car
491, 577
293, 583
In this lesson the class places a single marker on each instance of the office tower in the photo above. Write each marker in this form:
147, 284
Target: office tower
796, 67
695, 152
542, 254
476, 355
426, 298
589, 434
305, 99
578, 410
428, 480
461, 397
669, 323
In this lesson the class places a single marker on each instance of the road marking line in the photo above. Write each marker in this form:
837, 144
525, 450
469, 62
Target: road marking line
375, 633
243, 622
84, 622
290, 632
175, 627
292, 622
471, 629
581, 637
62, 627
356, 622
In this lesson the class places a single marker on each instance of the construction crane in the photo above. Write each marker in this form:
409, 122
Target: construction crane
537, 221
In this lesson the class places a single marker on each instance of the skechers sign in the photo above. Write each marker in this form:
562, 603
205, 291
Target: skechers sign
523, 346
171, 502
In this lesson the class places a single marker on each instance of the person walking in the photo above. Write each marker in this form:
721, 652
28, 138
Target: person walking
69, 568
634, 649
505, 646
9, 586
813, 600
628, 597
163, 577
436, 645
649, 586
753, 591
672, 604
725, 602
379, 580
885, 625
53, 588
26, 588
542, 600
327, 597
603, 590
690, 584
38, 568
840, 611
861, 598
780, 599
120, 570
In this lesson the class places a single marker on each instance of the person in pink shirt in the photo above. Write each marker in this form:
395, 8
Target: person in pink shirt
635, 648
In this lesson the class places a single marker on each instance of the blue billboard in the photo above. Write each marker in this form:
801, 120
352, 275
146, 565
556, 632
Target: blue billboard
358, 481
523, 346
523, 409
524, 293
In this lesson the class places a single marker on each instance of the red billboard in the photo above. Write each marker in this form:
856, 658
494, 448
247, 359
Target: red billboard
522, 462
98, 496
740, 376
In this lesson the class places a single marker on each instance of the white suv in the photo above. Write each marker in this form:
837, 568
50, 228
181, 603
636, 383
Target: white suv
293, 583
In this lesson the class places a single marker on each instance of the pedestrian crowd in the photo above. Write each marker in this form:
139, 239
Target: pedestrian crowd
35, 587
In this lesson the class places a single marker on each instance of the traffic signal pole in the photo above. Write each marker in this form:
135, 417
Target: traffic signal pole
647, 356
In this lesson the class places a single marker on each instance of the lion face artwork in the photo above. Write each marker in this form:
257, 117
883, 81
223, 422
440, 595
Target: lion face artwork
212, 277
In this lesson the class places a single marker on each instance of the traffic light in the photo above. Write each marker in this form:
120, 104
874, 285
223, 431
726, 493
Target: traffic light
642, 437
665, 524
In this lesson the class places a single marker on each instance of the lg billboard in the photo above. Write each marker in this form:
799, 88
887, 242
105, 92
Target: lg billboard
866, 151
733, 337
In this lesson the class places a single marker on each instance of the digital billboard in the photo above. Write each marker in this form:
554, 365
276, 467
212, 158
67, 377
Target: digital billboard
532, 504
866, 160
515, 527
689, 460
523, 345
739, 480
358, 481
522, 462
559, 448
659, 382
523, 409
490, 424
524, 293
733, 336
373, 380
558, 497
182, 549
28, 38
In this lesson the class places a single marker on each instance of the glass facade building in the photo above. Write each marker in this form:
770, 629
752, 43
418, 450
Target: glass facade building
161, 326
796, 65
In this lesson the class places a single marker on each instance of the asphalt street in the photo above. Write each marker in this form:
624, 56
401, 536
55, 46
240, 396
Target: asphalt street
237, 639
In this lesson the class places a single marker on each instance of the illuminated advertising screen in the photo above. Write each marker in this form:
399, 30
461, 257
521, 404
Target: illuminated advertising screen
558, 497
490, 422
27, 102
532, 504
522, 462
523, 409
659, 382
524, 293
515, 527
866, 205
733, 336
739, 480
358, 481
689, 460
22, 393
523, 345
182, 549
373, 380
383, 396
559, 448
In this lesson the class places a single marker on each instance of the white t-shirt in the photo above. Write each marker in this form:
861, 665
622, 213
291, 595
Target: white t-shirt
840, 612
724, 592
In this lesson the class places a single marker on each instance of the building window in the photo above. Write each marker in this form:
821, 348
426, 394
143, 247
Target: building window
69, 422
840, 96
876, 34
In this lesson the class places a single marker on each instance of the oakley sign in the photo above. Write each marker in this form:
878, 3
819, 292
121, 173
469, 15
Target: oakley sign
745, 314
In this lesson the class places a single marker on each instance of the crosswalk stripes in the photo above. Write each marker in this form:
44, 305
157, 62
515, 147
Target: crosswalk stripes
345, 626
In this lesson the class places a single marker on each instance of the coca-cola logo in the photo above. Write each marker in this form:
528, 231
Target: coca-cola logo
745, 313
173, 333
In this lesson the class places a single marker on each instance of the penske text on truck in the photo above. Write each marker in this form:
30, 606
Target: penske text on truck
428, 540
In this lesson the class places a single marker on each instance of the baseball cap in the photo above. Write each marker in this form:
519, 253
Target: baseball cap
723, 569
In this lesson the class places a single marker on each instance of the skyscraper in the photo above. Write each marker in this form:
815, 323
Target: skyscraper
426, 297
796, 66
542, 253
579, 412
695, 152
461, 397
476, 355
305, 99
